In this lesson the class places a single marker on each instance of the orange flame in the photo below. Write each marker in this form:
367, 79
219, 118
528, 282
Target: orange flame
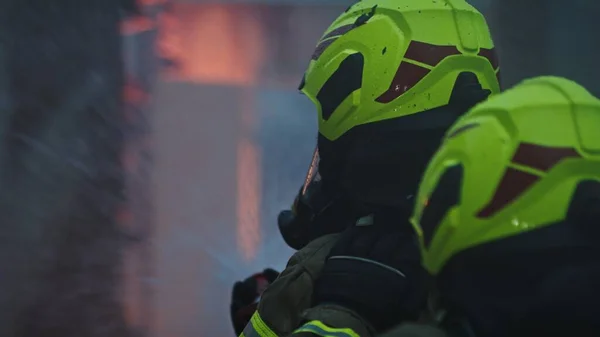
216, 44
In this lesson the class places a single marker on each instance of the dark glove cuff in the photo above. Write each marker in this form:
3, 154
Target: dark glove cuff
375, 292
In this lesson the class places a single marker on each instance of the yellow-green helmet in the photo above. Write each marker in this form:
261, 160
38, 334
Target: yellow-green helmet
383, 59
388, 78
511, 167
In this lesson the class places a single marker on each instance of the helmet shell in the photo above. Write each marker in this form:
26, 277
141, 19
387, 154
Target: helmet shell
509, 166
385, 59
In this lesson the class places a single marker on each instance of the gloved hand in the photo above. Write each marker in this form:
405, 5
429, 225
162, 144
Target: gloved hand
245, 295
283, 302
375, 272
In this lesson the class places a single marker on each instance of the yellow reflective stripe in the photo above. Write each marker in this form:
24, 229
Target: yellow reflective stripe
323, 330
257, 328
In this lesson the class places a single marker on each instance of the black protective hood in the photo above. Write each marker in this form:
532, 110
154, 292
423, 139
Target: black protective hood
382, 163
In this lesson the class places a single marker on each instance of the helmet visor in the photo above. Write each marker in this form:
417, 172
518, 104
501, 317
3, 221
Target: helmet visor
313, 172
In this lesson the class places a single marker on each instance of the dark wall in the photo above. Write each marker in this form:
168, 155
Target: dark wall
554, 37
60, 168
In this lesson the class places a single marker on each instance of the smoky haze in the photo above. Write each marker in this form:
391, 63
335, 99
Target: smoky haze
232, 154
234, 137
229, 141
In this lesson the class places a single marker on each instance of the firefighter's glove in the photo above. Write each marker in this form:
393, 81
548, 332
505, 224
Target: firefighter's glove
245, 294
375, 272
284, 301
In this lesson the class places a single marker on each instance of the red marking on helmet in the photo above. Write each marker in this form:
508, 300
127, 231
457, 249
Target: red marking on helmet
339, 31
330, 38
321, 48
540, 157
462, 129
515, 182
512, 185
491, 55
428, 53
407, 76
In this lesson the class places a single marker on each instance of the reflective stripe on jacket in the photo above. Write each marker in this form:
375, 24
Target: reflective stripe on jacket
257, 328
319, 329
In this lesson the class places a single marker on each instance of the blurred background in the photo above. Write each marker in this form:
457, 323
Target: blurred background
223, 138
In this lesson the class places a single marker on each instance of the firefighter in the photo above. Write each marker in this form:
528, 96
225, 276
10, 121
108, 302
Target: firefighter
387, 79
506, 216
